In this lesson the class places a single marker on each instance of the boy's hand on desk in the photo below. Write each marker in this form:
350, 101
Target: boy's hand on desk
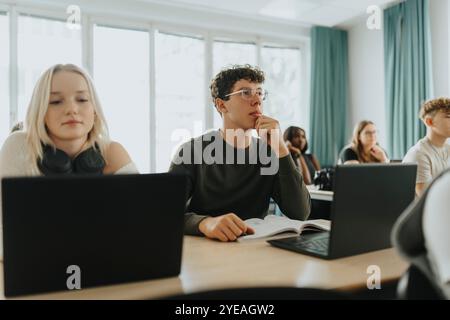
227, 227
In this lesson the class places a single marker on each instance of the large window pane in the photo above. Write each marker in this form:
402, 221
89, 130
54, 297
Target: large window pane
121, 72
283, 74
4, 77
226, 53
180, 92
41, 44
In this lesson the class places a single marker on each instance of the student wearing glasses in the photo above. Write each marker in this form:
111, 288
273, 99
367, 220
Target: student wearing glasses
229, 177
364, 147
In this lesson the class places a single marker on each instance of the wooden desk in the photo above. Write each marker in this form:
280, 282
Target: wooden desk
209, 264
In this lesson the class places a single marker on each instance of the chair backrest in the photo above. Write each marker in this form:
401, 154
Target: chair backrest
408, 238
415, 285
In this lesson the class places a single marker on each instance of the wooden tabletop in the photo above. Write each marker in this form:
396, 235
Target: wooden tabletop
209, 264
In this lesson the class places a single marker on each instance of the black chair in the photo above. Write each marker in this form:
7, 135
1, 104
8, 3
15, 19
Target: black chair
419, 281
264, 293
414, 285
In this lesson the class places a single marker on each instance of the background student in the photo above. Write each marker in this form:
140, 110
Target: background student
364, 147
432, 153
297, 144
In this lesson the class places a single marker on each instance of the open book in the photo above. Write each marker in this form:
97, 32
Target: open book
273, 225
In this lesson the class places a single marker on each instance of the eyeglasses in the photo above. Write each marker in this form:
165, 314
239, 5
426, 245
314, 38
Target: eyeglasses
248, 94
370, 133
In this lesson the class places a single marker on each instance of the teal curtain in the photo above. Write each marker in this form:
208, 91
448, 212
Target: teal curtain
329, 93
408, 72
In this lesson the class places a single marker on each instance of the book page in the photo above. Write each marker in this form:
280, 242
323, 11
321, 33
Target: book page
271, 225
316, 225
274, 225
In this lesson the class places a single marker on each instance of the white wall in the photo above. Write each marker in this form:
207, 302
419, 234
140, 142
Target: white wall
366, 78
366, 67
439, 12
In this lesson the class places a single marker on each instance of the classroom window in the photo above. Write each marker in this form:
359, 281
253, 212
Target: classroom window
4, 77
180, 92
226, 53
42, 43
283, 74
121, 73
181, 100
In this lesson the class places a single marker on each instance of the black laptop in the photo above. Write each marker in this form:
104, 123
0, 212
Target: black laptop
367, 200
106, 230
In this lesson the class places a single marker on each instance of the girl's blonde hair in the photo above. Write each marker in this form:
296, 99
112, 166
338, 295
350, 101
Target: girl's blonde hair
357, 146
35, 126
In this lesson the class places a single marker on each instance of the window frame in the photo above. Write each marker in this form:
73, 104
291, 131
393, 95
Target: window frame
4, 12
90, 16
304, 90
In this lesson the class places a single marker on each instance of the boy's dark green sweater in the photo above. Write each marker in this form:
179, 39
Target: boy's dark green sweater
218, 188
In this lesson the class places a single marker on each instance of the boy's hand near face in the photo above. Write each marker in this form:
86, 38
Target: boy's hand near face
269, 130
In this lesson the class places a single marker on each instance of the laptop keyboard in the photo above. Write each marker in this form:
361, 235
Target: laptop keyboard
317, 243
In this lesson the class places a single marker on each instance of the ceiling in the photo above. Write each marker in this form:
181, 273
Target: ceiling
305, 12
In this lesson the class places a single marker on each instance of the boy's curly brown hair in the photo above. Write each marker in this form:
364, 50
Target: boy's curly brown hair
431, 107
224, 81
